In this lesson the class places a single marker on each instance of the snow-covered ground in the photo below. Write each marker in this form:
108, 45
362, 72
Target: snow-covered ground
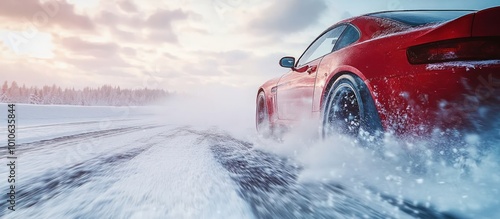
193, 161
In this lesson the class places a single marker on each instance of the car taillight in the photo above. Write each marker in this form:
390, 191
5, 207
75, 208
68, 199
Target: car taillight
480, 48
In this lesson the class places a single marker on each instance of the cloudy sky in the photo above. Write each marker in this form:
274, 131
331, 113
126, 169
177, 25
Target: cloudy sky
178, 45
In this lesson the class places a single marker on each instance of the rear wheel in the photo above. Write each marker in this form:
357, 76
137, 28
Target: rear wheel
349, 109
262, 116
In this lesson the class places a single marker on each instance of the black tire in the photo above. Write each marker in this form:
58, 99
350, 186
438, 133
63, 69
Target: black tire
262, 122
349, 109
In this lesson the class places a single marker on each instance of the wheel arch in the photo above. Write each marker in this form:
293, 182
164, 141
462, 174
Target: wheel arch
336, 74
258, 92
269, 102
367, 96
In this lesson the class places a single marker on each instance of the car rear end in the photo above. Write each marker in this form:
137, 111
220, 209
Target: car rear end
447, 75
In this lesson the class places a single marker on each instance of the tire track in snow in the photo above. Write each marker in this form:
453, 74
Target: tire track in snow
177, 178
60, 180
73, 139
161, 173
269, 184
70, 124
55, 182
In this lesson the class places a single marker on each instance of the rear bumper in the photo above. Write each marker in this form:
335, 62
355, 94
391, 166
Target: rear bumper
445, 96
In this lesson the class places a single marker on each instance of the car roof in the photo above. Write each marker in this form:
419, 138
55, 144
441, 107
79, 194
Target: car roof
420, 10
420, 17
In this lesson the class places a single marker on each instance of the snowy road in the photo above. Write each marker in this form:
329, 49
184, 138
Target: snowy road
142, 167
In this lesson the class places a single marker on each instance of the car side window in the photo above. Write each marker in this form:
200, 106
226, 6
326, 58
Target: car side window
322, 46
350, 35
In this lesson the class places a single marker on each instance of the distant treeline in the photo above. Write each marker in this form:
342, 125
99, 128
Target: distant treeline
101, 96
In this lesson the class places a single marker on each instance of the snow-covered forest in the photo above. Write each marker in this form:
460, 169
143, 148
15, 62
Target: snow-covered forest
105, 95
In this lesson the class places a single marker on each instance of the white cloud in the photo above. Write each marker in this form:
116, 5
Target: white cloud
35, 45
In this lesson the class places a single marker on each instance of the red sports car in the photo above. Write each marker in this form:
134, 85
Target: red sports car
397, 71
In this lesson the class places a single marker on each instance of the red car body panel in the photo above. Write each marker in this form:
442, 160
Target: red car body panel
436, 97
486, 23
410, 98
295, 91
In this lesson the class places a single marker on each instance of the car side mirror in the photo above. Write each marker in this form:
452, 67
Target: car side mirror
287, 62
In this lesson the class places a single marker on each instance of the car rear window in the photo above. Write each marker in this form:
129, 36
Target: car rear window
418, 18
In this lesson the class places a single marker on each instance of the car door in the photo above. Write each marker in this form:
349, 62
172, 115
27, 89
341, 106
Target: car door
296, 88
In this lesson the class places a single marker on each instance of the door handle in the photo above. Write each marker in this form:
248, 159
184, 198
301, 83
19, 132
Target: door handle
312, 69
